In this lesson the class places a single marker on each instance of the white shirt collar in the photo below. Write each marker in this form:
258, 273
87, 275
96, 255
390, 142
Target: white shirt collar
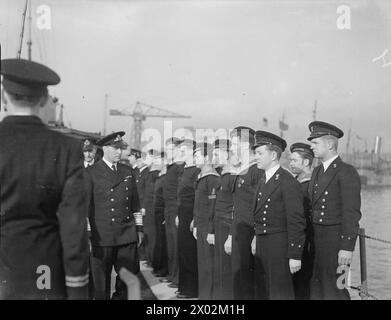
109, 164
142, 168
327, 163
134, 166
270, 172
87, 164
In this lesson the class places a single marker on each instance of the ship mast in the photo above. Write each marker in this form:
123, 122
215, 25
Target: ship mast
29, 42
314, 111
22, 32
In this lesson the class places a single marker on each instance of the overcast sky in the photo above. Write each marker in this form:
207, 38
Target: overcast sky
225, 63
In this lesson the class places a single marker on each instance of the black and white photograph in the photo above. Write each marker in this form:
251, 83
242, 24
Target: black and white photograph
207, 152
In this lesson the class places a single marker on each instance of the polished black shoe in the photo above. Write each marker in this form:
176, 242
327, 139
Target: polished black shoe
159, 275
183, 296
164, 280
173, 285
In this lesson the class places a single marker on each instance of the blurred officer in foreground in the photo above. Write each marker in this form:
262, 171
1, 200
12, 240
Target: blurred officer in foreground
301, 159
116, 233
43, 230
222, 275
204, 206
187, 245
335, 199
279, 222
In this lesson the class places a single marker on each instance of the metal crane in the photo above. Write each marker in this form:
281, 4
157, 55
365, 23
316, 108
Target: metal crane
140, 113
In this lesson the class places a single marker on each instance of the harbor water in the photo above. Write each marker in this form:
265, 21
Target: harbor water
376, 219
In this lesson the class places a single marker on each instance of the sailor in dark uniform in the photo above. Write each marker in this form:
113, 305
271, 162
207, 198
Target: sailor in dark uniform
170, 193
152, 174
203, 231
43, 208
89, 152
113, 201
246, 179
222, 275
335, 199
187, 245
301, 159
160, 264
279, 222
141, 173
134, 154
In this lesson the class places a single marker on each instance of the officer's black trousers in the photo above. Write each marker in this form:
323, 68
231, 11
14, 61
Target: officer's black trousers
170, 213
187, 245
159, 261
273, 279
205, 256
149, 233
325, 277
103, 261
242, 260
222, 274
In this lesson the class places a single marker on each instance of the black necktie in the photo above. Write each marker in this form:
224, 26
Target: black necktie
114, 168
321, 172
263, 181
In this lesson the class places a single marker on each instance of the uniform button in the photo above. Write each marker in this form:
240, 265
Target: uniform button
322, 213
342, 237
127, 198
320, 220
112, 200
316, 185
112, 219
260, 193
264, 231
264, 224
326, 193
324, 200
292, 245
315, 191
348, 238
264, 212
299, 245
322, 207
264, 219
112, 209
266, 206
111, 190
259, 199
268, 200
127, 208
127, 188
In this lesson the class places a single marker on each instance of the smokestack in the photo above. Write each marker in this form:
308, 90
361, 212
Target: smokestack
377, 148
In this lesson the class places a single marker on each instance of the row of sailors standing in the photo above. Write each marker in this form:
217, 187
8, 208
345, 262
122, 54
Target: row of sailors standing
228, 222
253, 229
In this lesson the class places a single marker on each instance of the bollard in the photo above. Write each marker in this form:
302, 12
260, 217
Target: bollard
363, 266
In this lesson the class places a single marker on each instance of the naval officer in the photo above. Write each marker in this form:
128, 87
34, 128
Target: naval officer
335, 200
43, 230
115, 232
